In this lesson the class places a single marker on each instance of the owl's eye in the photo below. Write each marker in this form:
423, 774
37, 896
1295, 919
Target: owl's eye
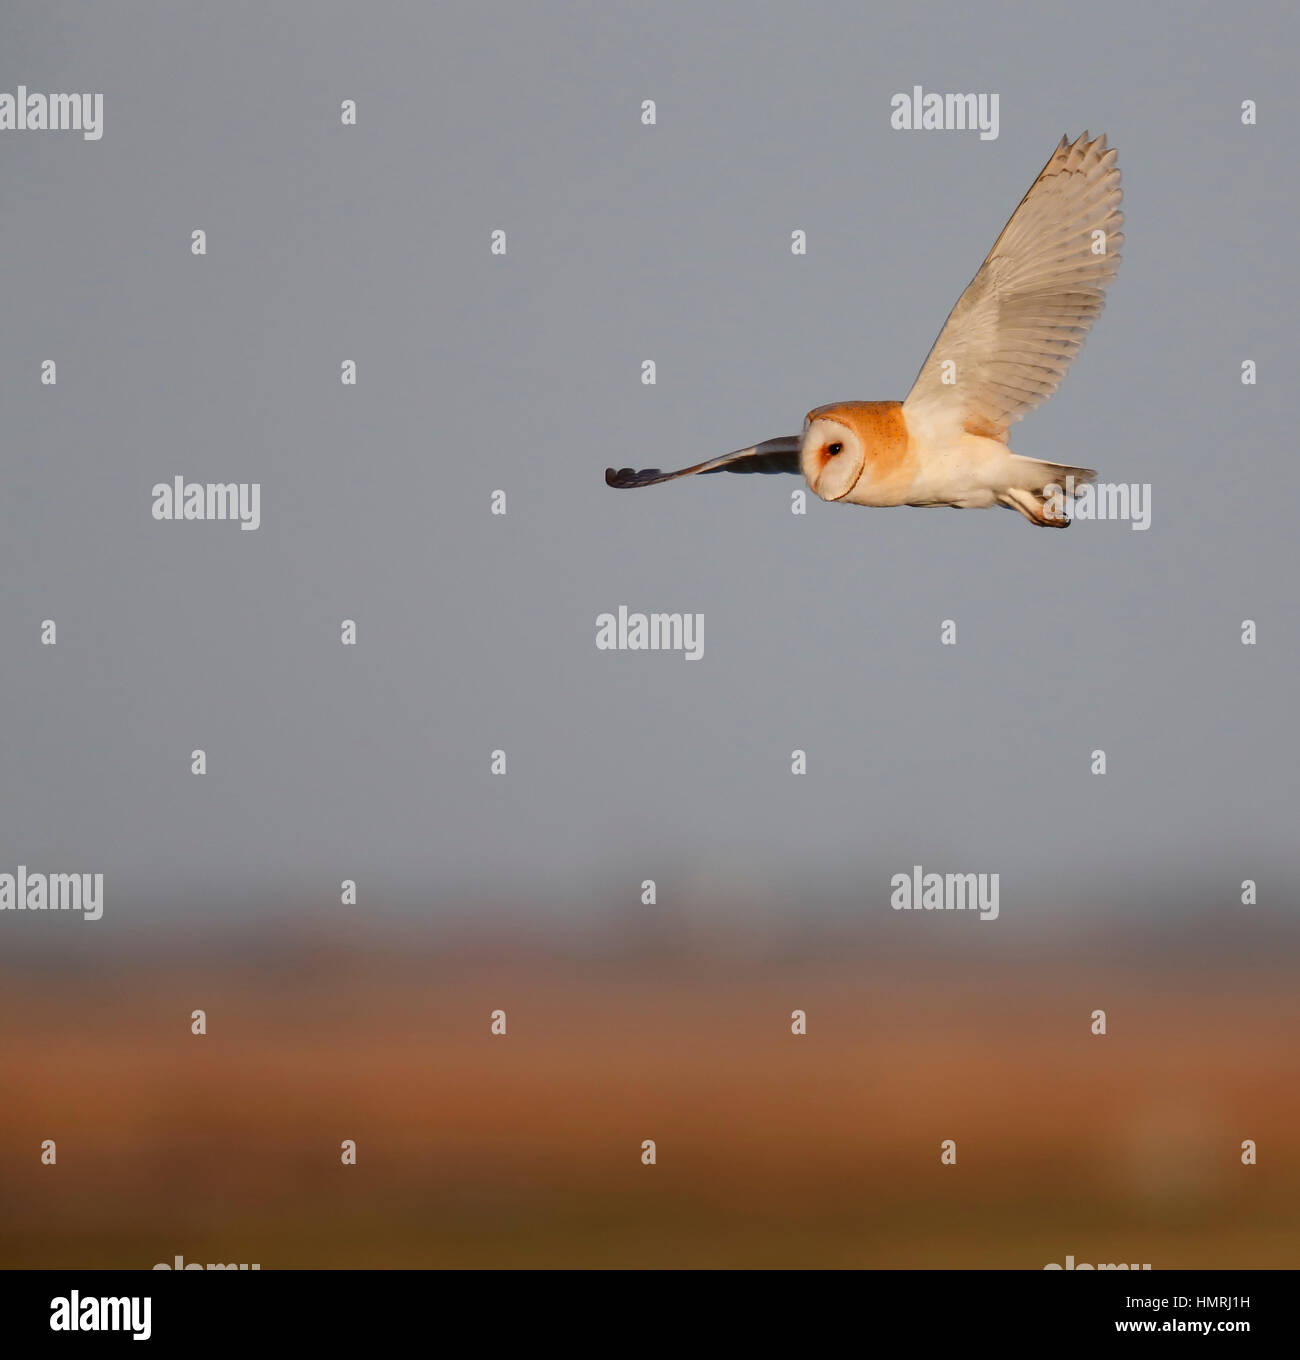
833, 449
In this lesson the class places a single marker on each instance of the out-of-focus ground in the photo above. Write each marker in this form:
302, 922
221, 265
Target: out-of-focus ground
773, 1150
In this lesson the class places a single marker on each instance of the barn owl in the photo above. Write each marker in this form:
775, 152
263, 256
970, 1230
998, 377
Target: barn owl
1003, 351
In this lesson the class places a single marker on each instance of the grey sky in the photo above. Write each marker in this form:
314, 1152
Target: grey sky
626, 243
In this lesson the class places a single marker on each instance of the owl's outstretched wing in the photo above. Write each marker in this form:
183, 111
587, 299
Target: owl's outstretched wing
772, 455
1025, 315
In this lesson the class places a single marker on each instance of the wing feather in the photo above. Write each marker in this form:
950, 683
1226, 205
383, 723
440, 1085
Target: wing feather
772, 455
1026, 313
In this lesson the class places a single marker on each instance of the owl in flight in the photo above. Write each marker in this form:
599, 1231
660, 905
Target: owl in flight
1003, 351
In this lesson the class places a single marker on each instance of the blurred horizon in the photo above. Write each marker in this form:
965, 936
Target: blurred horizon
524, 1150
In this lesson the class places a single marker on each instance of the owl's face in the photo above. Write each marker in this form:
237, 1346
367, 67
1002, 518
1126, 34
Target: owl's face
831, 457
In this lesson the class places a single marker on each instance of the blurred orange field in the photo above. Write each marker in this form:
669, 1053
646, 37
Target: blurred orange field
772, 1150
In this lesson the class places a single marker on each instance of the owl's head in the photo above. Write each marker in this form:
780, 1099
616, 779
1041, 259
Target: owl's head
831, 455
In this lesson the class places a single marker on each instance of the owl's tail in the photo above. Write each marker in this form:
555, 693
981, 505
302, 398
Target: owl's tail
1039, 490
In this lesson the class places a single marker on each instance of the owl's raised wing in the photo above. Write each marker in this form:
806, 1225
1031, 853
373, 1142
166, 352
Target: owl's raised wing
772, 455
1026, 313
